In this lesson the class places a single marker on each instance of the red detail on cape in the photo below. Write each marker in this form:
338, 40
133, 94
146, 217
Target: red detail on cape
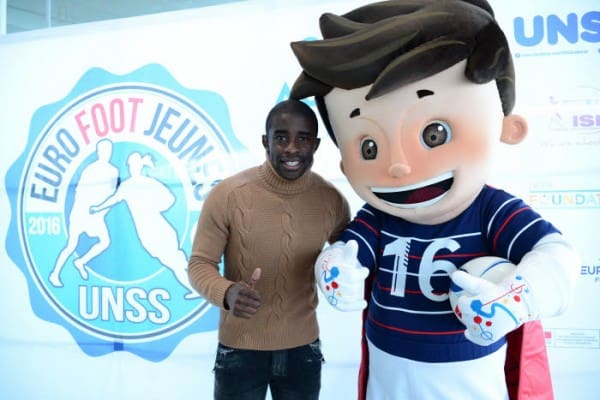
526, 368
363, 371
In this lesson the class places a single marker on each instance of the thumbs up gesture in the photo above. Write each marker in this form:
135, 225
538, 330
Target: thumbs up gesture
340, 276
241, 299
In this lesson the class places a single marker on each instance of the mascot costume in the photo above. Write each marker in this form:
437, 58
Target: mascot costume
416, 95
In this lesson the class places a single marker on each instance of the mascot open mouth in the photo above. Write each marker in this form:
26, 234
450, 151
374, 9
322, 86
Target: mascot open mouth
418, 195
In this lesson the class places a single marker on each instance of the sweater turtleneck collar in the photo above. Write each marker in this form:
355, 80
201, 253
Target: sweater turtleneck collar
280, 185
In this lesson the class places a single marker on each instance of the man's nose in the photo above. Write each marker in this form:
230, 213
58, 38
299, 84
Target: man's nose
292, 146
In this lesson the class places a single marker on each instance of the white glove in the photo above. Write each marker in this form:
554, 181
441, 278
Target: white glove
340, 276
491, 310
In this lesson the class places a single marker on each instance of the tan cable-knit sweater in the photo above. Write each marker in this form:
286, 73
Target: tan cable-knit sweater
258, 219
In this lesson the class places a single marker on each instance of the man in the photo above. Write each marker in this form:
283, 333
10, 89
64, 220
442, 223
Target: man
269, 222
417, 94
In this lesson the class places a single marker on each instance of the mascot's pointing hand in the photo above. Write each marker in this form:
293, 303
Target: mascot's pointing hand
341, 277
491, 310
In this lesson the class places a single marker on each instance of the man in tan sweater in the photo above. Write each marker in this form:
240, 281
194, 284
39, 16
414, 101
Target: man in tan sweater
268, 223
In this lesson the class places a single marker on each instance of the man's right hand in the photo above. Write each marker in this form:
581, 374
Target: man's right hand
341, 277
242, 299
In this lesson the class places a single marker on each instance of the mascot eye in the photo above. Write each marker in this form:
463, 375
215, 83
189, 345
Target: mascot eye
368, 149
435, 134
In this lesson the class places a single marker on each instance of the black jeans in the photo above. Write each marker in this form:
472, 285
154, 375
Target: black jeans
292, 374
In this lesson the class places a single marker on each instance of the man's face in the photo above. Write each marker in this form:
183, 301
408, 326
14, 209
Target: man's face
290, 144
423, 151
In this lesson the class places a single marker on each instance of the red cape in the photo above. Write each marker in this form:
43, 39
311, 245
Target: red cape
526, 368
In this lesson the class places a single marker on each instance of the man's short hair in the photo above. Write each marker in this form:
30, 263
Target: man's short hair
292, 106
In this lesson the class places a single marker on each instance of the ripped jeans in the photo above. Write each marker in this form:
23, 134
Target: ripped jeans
291, 374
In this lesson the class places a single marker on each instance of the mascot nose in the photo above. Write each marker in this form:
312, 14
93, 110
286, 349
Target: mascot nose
398, 170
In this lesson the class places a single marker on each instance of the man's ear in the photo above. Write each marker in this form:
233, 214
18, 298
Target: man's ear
514, 129
265, 142
317, 143
342, 167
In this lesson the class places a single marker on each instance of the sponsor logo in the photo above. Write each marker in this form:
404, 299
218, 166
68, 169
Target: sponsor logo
593, 270
590, 271
546, 32
104, 201
552, 28
577, 112
564, 199
572, 120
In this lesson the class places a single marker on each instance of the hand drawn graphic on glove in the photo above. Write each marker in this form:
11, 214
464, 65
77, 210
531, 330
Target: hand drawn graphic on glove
340, 276
492, 310
329, 275
497, 306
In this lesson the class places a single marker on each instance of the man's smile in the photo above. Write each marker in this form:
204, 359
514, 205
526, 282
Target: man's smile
292, 164
418, 195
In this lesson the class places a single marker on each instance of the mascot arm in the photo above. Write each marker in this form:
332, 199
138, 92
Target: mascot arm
551, 269
340, 276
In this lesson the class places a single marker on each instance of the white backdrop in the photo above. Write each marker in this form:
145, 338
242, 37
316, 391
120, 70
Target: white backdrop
238, 57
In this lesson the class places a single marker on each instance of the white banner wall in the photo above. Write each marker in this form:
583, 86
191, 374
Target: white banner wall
191, 89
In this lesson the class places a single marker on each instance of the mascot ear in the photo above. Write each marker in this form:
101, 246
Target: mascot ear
514, 129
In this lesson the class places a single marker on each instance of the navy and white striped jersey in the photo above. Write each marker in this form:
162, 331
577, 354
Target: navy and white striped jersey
409, 314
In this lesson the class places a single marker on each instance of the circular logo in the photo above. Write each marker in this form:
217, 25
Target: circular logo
109, 196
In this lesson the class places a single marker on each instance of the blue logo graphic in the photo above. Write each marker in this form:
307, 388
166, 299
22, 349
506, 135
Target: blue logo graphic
105, 200
571, 28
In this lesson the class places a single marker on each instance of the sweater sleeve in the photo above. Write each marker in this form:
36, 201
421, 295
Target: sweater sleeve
342, 218
212, 234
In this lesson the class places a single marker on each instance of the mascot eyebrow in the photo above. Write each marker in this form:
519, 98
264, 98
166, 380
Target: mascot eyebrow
420, 94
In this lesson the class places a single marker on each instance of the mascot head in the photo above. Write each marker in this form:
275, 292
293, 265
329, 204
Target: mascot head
416, 94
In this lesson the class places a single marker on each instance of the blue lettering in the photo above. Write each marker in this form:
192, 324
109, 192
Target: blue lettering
590, 270
69, 148
568, 30
554, 27
53, 178
57, 157
537, 34
43, 192
178, 142
152, 128
177, 147
591, 23
164, 123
